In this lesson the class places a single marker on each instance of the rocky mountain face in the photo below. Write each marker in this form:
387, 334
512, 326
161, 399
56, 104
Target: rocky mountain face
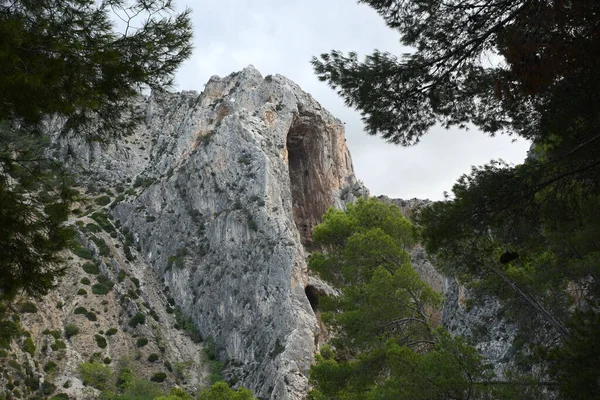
223, 189
197, 229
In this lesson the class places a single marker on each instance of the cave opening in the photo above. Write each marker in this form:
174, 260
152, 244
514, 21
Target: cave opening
313, 297
310, 192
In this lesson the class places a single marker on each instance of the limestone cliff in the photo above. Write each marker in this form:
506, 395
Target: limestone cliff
226, 187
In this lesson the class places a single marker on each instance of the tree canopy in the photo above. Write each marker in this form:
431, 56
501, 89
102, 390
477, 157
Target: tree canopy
500, 65
68, 59
384, 340
526, 234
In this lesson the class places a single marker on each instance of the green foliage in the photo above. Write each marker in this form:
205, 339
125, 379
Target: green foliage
101, 219
447, 79
102, 200
27, 307
36, 203
85, 281
95, 374
141, 342
83, 252
526, 234
100, 341
384, 336
176, 394
71, 330
135, 281
29, 346
221, 391
111, 331
532, 246
143, 181
82, 292
49, 367
139, 389
90, 315
109, 71
54, 334
80, 310
451, 369
153, 357
158, 377
102, 246
90, 268
58, 345
101, 288
93, 228
186, 324
137, 319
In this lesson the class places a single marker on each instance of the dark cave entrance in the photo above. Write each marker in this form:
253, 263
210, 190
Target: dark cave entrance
309, 191
313, 297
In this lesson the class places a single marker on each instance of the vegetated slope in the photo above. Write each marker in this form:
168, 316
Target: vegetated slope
106, 310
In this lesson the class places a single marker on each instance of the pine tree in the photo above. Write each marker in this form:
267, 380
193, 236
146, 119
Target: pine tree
67, 59
384, 342
526, 235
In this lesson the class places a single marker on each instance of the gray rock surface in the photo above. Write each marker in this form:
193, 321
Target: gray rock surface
228, 185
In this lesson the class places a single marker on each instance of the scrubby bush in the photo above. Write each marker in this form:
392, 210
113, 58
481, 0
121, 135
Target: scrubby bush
101, 219
221, 390
71, 330
159, 377
85, 281
107, 360
111, 331
153, 357
29, 346
28, 307
95, 375
55, 334
102, 200
32, 383
49, 367
91, 268
137, 319
141, 342
80, 310
83, 253
100, 341
82, 292
102, 246
58, 345
91, 316
91, 227
100, 289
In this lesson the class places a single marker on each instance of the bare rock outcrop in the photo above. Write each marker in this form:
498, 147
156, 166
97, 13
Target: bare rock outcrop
227, 186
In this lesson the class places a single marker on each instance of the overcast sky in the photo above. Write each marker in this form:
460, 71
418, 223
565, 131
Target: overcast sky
280, 37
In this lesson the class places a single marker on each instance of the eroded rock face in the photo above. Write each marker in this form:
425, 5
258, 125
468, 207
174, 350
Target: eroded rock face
230, 183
